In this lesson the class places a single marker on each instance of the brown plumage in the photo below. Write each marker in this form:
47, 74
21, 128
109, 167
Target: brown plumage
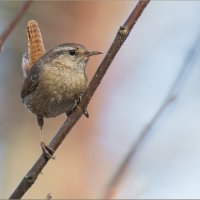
35, 47
56, 82
35, 43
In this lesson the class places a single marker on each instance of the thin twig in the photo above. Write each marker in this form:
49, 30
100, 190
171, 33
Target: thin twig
14, 22
172, 95
121, 36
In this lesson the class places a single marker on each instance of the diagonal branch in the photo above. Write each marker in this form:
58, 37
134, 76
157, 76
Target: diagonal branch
172, 95
121, 36
14, 22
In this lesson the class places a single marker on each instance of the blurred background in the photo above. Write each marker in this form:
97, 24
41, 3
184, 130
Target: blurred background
136, 84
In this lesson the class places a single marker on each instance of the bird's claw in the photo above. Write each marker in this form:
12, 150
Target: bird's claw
85, 112
76, 102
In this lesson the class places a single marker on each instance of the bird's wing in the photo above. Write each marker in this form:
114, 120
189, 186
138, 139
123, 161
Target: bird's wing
28, 86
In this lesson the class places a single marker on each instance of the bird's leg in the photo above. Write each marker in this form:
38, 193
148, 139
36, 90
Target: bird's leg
48, 152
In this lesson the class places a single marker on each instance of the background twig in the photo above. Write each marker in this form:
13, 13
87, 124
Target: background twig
14, 22
121, 36
171, 97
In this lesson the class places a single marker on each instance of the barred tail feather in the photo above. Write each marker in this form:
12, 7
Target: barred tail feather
35, 43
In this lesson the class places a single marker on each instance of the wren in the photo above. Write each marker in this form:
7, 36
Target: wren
55, 83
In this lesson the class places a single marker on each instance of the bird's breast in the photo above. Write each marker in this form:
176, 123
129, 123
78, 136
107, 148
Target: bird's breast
56, 91
63, 82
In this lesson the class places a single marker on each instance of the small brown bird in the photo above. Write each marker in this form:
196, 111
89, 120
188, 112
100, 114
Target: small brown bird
55, 83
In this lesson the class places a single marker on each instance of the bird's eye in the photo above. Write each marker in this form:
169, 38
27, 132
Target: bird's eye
72, 52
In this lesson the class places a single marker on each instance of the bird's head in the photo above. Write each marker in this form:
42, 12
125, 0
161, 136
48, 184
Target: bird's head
72, 55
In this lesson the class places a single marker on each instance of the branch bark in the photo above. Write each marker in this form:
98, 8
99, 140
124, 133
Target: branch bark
121, 36
172, 95
14, 22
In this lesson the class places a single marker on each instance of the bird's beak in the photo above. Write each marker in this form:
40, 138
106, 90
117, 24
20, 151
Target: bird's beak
92, 53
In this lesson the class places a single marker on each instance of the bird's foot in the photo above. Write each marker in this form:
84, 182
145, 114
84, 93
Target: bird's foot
70, 111
76, 102
85, 112
48, 152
